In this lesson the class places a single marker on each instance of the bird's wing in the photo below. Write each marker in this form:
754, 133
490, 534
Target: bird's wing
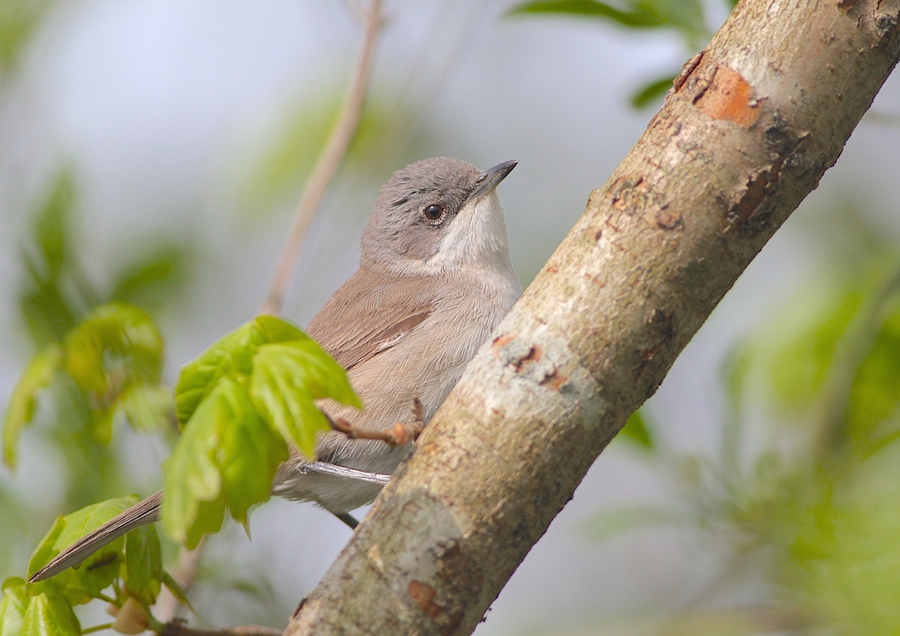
370, 313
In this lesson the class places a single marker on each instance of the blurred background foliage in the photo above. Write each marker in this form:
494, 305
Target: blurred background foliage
287, 156
796, 496
687, 19
811, 507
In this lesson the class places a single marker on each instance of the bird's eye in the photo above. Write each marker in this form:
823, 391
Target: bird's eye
433, 213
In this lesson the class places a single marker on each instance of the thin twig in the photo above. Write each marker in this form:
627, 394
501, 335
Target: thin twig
328, 162
185, 573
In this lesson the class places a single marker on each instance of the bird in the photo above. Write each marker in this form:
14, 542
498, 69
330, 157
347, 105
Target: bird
435, 278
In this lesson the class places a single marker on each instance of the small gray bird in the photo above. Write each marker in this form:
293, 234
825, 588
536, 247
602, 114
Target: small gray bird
435, 278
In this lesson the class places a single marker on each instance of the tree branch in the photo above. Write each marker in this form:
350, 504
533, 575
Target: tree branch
755, 123
327, 163
181, 628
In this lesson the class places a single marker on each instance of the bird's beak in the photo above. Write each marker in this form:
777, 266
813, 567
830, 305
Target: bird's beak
491, 178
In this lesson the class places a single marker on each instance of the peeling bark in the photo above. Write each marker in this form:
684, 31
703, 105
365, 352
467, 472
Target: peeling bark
746, 133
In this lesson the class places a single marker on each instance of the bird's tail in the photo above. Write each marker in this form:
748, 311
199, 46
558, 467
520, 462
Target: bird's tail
140, 514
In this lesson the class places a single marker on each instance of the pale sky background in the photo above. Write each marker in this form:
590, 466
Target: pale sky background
163, 105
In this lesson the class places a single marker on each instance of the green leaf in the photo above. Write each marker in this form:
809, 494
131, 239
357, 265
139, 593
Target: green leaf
649, 93
840, 554
286, 380
143, 564
153, 278
114, 346
229, 356
684, 16
136, 556
233, 356
638, 17
51, 297
12, 606
52, 226
49, 615
19, 21
636, 430
96, 572
47, 548
800, 367
289, 350
874, 400
149, 408
225, 459
234, 399
175, 588
38, 375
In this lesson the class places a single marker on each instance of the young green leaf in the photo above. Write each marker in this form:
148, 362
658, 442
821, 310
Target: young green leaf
49, 298
640, 16
648, 93
685, 16
229, 356
636, 430
149, 408
47, 548
176, 589
240, 401
287, 378
49, 615
225, 459
12, 606
154, 278
143, 564
101, 568
38, 375
304, 365
115, 346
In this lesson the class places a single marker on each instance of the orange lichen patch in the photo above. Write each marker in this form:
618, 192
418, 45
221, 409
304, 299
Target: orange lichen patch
729, 97
555, 380
422, 595
500, 342
534, 354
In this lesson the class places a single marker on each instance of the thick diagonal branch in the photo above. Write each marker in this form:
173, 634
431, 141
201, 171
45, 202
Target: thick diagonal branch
748, 133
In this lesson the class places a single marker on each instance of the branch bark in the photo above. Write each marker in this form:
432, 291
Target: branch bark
748, 131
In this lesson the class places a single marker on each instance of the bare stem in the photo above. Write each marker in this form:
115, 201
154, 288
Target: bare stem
184, 574
180, 628
328, 162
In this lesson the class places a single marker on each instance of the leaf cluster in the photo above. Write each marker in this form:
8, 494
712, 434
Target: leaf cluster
114, 359
127, 574
242, 402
